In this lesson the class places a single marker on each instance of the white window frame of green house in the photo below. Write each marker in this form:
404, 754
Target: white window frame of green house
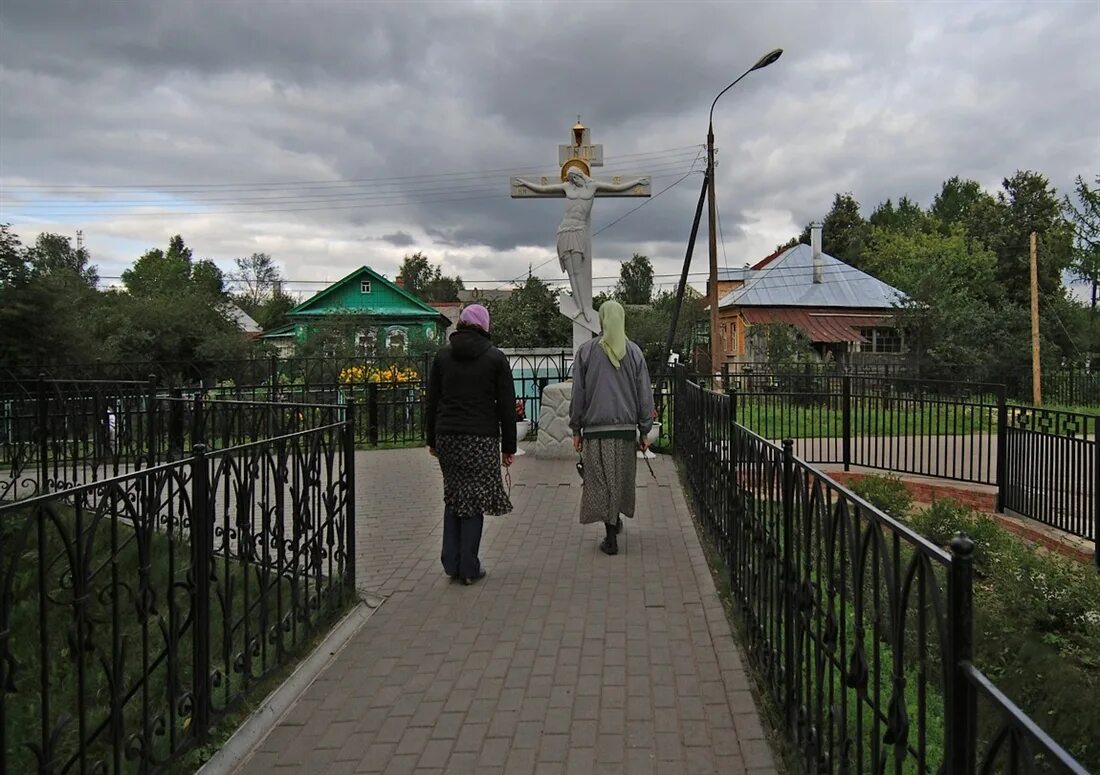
882, 339
364, 286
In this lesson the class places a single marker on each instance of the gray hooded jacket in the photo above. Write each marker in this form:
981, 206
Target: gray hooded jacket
610, 399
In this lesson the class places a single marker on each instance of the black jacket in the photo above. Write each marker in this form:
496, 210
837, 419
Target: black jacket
470, 391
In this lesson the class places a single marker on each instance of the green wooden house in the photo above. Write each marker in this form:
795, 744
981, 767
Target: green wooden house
377, 316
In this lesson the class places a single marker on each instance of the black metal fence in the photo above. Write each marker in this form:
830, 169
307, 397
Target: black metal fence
862, 628
1043, 462
1068, 385
923, 427
57, 434
1050, 469
137, 608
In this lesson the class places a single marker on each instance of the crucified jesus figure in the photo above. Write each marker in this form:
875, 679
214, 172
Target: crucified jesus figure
575, 231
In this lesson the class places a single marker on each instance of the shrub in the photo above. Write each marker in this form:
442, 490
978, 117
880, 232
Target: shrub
993, 545
885, 492
1036, 626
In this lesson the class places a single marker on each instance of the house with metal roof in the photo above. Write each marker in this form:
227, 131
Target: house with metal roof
380, 315
842, 310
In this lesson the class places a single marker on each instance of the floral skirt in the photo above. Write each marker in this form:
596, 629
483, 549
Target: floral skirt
472, 483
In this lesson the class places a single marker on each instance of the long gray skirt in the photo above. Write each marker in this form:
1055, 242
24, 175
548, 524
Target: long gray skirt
610, 466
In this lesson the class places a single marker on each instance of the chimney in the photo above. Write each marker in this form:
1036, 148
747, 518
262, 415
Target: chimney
399, 281
815, 245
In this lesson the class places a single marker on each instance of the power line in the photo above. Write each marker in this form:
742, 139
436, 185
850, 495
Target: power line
407, 201
772, 272
350, 181
434, 189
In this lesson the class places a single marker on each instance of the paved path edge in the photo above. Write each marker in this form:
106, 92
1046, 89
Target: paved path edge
239, 748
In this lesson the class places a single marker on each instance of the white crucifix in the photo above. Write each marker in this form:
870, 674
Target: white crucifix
574, 244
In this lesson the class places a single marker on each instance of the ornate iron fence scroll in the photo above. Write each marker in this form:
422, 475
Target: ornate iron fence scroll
137, 609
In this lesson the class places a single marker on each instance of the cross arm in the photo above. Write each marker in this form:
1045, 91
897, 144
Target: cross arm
619, 186
523, 188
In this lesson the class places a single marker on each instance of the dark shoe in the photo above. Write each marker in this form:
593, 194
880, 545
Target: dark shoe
452, 576
610, 545
618, 525
480, 575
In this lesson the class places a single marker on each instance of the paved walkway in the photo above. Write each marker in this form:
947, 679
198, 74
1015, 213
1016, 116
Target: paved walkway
561, 660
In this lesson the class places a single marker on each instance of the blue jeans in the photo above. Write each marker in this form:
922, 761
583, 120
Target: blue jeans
461, 541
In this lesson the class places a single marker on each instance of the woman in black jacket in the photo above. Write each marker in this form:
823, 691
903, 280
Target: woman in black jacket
471, 417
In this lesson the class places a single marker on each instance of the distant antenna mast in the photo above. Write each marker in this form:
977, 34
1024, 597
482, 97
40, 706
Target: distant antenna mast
79, 239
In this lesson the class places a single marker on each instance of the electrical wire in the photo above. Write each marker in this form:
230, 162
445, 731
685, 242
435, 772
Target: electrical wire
351, 181
433, 189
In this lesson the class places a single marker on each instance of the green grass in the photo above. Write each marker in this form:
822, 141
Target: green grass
774, 419
153, 688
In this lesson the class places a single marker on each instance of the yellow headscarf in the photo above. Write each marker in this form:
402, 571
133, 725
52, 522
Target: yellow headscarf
613, 323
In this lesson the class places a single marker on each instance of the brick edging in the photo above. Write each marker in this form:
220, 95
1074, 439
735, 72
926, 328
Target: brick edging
926, 492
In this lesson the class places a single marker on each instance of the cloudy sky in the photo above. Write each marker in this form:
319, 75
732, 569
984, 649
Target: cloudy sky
336, 134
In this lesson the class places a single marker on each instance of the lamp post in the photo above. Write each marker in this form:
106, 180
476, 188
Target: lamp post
715, 345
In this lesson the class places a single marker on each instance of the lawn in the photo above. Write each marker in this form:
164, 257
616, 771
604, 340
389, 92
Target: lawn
775, 418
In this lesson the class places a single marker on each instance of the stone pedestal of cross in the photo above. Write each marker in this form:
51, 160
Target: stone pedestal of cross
574, 244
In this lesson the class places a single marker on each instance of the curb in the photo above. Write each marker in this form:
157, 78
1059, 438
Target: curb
239, 748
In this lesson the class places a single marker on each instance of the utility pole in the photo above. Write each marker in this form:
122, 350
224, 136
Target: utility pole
712, 218
1036, 381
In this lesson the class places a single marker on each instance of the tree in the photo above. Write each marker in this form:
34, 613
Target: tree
1084, 215
172, 310
426, 280
417, 273
782, 345
261, 295
272, 313
635, 284
844, 232
47, 295
954, 311
13, 268
907, 216
164, 273
529, 317
1029, 203
257, 278
957, 202
443, 288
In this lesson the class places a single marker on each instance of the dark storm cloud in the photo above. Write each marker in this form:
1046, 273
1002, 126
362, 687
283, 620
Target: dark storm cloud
420, 111
398, 239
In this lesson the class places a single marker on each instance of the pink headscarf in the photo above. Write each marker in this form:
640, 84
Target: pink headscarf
475, 315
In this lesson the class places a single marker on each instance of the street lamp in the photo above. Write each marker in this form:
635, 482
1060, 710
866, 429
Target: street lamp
715, 346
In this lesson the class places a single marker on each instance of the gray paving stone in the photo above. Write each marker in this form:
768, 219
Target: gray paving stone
561, 660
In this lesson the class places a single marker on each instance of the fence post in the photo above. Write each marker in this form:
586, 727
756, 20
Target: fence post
200, 568
960, 725
846, 420
731, 479
1002, 446
372, 413
273, 376
151, 423
42, 413
1096, 493
349, 494
198, 420
788, 588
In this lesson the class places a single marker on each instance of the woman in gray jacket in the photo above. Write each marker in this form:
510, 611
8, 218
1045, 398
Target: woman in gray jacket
612, 404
